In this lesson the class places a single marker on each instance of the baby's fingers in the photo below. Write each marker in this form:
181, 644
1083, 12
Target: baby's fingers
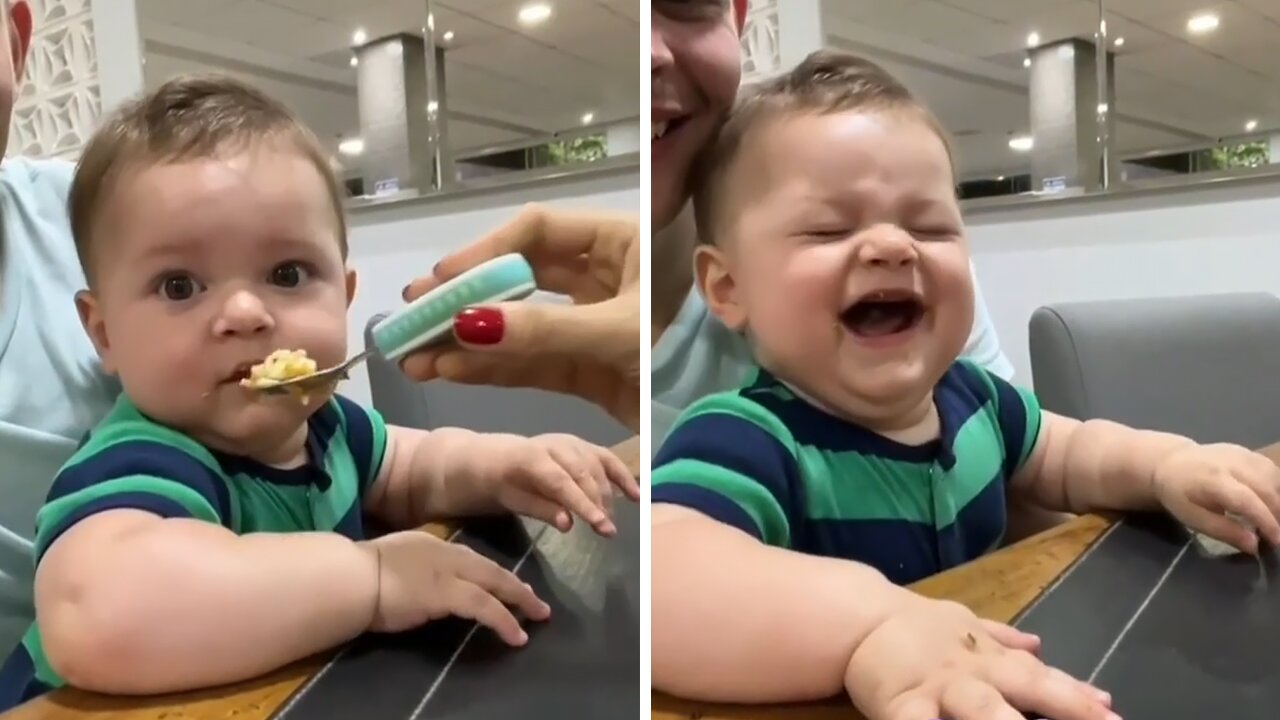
1219, 527
474, 603
555, 483
620, 476
1264, 482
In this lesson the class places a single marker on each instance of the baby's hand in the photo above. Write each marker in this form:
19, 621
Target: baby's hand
1200, 483
423, 578
551, 476
936, 659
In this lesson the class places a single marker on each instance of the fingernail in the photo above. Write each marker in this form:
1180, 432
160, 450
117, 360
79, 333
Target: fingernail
479, 326
524, 637
404, 293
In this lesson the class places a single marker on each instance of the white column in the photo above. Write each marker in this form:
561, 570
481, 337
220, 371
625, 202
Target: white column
85, 55
621, 138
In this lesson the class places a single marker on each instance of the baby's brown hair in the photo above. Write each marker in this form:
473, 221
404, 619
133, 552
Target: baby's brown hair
824, 82
189, 117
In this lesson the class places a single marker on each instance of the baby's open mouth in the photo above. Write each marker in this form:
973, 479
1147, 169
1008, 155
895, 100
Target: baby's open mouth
884, 312
242, 372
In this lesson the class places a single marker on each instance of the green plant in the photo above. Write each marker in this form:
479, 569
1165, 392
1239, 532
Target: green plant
1252, 154
588, 148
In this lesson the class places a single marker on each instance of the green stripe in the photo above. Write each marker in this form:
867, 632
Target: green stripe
334, 503
125, 424
735, 405
864, 487
867, 487
34, 646
52, 514
753, 498
1032, 434
379, 426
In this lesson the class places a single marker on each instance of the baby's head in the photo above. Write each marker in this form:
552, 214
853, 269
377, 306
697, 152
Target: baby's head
210, 227
834, 239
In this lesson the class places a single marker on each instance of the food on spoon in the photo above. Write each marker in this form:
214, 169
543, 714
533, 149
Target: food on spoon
281, 366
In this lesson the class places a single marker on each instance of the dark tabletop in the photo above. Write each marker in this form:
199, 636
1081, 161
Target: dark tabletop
582, 663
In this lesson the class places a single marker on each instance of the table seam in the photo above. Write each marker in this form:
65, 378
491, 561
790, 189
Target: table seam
439, 679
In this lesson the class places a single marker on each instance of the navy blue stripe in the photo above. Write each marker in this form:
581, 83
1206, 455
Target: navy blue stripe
351, 526
1012, 416
978, 528
156, 504
707, 502
18, 682
903, 551
740, 446
145, 457
359, 436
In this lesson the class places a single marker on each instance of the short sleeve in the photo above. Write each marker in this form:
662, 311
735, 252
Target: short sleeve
983, 345
731, 460
1017, 414
366, 435
136, 474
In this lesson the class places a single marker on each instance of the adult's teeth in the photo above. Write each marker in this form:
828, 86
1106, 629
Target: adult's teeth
659, 129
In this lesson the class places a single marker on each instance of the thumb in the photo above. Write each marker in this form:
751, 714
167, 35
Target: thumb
601, 330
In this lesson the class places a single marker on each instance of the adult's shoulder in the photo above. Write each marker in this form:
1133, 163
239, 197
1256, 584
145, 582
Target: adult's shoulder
42, 179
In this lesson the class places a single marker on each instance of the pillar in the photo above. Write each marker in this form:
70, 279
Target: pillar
622, 138
1071, 126
402, 108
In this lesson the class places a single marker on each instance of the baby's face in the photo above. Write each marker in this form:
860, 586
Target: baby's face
203, 268
848, 259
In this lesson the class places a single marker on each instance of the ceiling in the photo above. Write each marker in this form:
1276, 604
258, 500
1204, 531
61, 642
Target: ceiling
505, 81
964, 57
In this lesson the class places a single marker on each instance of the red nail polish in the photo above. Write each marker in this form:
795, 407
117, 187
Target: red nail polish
479, 326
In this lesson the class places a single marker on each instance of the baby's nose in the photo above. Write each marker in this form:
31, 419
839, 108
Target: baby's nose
887, 246
244, 313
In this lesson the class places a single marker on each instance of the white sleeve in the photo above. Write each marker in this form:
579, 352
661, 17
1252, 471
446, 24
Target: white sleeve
983, 346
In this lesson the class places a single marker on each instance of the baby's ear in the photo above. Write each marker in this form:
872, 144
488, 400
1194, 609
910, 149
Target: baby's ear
351, 286
714, 277
95, 327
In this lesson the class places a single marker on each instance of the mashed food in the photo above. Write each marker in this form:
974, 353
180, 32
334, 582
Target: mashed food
279, 366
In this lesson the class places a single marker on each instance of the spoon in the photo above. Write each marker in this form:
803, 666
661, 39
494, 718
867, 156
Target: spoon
425, 321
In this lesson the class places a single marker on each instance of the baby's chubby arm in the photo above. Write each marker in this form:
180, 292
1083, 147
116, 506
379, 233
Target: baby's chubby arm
1082, 467
130, 603
737, 620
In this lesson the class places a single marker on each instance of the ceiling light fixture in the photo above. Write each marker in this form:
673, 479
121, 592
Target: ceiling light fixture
353, 146
1119, 42
1026, 62
448, 35
355, 61
1251, 126
359, 36
587, 117
1203, 23
534, 13
1033, 39
1022, 143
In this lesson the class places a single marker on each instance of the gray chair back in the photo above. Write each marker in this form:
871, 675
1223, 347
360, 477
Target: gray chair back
1207, 367
521, 411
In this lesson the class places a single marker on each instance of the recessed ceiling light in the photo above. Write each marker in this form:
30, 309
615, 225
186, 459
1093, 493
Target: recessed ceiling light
1033, 39
355, 61
432, 106
1203, 23
353, 146
448, 35
1022, 143
359, 36
588, 117
534, 13
1119, 42
1251, 126
1000, 179
1026, 62
1102, 108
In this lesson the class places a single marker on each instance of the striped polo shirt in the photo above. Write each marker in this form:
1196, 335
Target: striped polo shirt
129, 461
793, 476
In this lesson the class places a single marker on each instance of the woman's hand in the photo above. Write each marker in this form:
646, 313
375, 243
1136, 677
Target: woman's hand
590, 348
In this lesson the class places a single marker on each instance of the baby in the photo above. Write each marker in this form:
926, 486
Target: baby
863, 454
206, 533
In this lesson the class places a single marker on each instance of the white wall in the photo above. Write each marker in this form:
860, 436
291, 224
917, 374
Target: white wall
1196, 241
393, 245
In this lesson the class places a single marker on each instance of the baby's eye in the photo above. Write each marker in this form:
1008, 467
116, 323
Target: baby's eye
179, 286
289, 275
829, 234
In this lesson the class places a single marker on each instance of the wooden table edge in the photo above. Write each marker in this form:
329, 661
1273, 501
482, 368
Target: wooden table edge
255, 699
